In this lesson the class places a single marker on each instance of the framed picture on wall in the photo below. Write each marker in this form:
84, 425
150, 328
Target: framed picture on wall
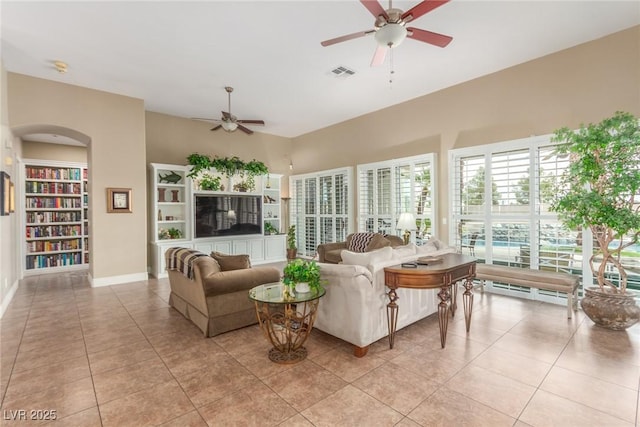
5, 181
119, 200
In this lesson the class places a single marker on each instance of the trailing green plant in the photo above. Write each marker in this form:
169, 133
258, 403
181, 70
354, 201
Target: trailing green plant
291, 237
256, 168
300, 270
228, 166
600, 188
198, 162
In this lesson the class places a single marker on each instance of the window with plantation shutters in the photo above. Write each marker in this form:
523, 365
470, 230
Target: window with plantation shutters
387, 189
500, 201
320, 208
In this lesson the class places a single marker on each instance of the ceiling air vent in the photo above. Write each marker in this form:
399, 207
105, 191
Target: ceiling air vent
342, 71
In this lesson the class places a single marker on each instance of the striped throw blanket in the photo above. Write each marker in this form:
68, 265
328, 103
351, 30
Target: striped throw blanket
181, 259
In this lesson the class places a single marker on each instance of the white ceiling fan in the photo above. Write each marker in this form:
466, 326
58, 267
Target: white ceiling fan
390, 28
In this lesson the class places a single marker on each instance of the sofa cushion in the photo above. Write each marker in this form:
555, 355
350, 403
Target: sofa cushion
231, 262
333, 256
378, 241
366, 258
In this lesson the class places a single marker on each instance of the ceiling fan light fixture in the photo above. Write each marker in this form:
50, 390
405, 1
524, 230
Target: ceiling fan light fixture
229, 126
391, 35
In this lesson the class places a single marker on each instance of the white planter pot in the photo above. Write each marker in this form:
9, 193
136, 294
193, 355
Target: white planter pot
303, 287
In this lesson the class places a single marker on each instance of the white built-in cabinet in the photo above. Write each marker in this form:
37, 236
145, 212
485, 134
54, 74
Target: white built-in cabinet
172, 195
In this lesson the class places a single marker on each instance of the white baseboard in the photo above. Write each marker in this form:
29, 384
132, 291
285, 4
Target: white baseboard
117, 280
8, 297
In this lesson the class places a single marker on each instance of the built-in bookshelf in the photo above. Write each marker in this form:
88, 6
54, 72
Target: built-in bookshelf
56, 210
271, 212
169, 203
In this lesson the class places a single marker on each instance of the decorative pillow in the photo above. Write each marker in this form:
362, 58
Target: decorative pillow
404, 251
439, 244
366, 258
430, 246
231, 262
360, 241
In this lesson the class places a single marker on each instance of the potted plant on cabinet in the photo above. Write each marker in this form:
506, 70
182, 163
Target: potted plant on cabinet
252, 169
270, 229
599, 190
292, 249
199, 163
302, 274
208, 181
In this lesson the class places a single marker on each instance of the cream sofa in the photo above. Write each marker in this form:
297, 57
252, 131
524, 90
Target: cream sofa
354, 308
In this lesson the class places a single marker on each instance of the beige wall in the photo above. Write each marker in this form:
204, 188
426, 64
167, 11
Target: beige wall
171, 139
582, 84
116, 157
59, 152
9, 233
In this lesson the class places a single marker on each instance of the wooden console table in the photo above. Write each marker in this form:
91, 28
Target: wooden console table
444, 275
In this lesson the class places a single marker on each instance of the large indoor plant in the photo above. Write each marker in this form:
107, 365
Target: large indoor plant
599, 190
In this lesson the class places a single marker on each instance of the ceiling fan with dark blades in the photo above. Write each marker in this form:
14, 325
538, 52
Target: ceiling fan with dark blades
229, 122
390, 28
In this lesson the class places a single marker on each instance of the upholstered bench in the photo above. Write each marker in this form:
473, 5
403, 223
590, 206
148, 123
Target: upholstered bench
547, 280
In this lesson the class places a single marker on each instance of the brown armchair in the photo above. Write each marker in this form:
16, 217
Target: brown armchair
330, 252
214, 294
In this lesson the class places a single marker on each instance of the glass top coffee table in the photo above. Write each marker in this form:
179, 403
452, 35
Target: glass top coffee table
286, 320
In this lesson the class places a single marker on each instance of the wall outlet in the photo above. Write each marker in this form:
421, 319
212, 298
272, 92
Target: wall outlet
444, 221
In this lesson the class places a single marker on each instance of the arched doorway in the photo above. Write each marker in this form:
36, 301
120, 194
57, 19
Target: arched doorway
51, 147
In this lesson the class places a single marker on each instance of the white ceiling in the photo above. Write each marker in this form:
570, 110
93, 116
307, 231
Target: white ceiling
179, 56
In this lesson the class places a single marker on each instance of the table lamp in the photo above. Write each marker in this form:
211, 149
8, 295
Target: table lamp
406, 222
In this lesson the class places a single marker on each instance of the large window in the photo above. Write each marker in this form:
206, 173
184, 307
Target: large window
387, 189
320, 208
500, 205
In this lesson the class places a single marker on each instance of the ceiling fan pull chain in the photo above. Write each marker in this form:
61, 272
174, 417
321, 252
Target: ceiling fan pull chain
391, 72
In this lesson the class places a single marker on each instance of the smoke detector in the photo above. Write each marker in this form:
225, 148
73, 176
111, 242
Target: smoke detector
61, 67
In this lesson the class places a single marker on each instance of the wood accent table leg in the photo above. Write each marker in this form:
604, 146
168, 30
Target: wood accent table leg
392, 315
443, 312
454, 298
467, 299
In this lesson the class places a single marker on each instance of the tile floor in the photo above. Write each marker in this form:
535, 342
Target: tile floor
119, 356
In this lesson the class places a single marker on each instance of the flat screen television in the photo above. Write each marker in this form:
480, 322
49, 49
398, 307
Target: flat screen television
227, 215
